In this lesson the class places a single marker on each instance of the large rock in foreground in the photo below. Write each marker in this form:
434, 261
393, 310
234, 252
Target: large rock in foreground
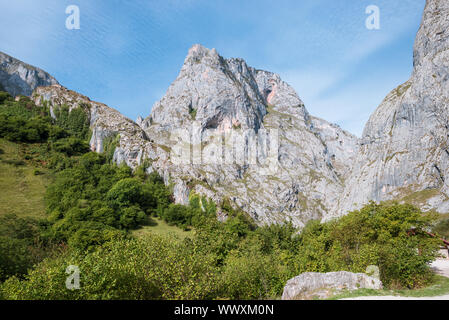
312, 285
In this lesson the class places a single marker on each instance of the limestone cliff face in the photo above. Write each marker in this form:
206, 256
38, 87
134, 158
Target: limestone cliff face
132, 145
215, 97
404, 149
19, 78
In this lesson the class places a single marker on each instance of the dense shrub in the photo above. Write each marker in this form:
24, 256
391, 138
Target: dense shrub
125, 193
154, 268
20, 245
71, 146
387, 235
4, 96
131, 217
178, 215
15, 257
74, 121
17, 129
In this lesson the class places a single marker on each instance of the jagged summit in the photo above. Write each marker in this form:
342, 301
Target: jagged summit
197, 52
213, 93
19, 78
433, 34
222, 92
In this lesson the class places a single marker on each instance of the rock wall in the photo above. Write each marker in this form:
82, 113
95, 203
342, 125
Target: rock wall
214, 97
404, 148
19, 78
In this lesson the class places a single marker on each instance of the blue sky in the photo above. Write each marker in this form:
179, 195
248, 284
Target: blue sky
127, 53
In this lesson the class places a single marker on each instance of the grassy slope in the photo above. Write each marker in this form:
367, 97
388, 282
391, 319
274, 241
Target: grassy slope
160, 227
21, 191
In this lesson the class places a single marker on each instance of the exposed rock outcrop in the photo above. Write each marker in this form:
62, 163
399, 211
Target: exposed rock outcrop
311, 285
132, 144
19, 78
214, 97
404, 149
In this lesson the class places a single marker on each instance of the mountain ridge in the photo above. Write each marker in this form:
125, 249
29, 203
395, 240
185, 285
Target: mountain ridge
321, 171
18, 77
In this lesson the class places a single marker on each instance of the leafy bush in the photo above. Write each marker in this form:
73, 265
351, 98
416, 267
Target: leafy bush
125, 192
15, 257
248, 274
76, 121
71, 146
20, 245
387, 235
178, 215
154, 268
89, 235
131, 217
17, 129
4, 96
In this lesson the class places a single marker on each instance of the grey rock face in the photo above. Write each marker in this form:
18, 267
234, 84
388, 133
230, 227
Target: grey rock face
404, 149
139, 120
310, 285
215, 97
133, 145
19, 78
342, 146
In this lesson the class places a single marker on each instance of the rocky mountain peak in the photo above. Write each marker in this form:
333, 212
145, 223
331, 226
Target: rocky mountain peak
433, 35
19, 78
212, 90
212, 94
223, 93
200, 54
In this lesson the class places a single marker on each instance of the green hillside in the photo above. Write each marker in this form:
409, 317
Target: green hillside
22, 184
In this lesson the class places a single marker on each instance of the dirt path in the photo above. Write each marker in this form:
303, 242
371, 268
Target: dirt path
440, 266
